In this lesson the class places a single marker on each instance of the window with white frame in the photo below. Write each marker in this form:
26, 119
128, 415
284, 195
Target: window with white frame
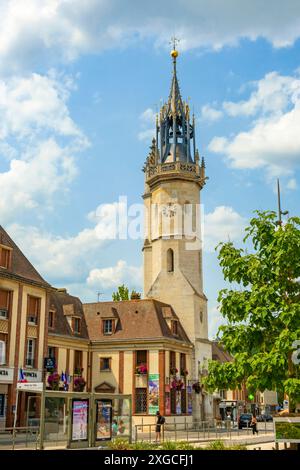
2, 352
30, 354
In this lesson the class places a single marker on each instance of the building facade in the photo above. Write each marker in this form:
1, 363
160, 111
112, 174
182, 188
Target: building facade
139, 347
24, 298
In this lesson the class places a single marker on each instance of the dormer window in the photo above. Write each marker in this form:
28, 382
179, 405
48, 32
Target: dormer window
5, 303
51, 319
174, 327
76, 325
108, 325
5, 257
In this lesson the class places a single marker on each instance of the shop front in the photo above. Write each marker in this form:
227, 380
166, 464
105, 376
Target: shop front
6, 380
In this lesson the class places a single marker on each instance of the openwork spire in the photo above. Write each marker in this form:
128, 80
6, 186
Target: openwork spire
175, 136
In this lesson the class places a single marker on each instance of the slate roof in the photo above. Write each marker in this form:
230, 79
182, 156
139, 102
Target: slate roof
136, 319
62, 302
21, 268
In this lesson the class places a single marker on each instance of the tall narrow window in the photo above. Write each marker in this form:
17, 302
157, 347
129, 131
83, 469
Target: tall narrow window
5, 297
30, 352
33, 307
2, 352
4, 257
170, 260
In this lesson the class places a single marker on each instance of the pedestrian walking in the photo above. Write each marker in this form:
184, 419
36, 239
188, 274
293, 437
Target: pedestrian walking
254, 425
160, 421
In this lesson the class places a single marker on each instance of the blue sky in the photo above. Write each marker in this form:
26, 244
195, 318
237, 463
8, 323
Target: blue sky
79, 85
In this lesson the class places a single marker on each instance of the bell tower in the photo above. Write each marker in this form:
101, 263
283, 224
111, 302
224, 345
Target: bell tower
174, 177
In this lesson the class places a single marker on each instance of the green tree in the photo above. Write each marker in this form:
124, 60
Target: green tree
121, 294
263, 311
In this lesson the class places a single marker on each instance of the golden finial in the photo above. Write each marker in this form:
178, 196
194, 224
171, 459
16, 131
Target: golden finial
174, 53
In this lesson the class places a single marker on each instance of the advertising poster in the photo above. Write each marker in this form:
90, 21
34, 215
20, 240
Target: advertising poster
189, 399
178, 403
167, 400
80, 412
104, 420
153, 388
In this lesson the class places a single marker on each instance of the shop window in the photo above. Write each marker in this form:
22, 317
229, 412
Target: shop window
141, 400
2, 405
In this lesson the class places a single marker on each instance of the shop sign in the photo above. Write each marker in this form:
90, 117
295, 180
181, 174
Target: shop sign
6, 374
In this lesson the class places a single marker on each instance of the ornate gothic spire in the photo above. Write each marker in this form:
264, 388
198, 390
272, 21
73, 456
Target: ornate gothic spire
176, 131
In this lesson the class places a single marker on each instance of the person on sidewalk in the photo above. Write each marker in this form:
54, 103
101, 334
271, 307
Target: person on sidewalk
160, 421
254, 425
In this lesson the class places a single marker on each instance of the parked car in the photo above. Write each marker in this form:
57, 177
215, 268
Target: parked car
244, 420
264, 418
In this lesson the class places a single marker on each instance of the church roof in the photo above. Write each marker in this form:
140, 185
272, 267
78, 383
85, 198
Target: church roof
136, 319
20, 268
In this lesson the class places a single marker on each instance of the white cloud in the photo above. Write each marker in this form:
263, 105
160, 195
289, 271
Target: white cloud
34, 116
210, 114
222, 225
114, 276
36, 103
215, 320
147, 120
273, 140
70, 257
292, 184
35, 31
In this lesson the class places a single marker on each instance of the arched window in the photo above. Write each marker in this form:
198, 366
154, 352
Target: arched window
170, 260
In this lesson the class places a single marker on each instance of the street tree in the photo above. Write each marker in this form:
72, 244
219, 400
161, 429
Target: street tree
261, 309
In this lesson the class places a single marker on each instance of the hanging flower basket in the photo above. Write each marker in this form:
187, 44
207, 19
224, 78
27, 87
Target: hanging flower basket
184, 372
79, 384
53, 381
173, 371
197, 387
141, 369
177, 384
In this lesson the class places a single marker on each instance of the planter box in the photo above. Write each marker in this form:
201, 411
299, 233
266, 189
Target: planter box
287, 429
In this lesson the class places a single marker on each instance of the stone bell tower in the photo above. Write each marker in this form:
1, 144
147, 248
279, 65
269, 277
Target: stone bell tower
174, 177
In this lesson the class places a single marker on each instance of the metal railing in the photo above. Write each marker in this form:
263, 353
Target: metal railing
197, 431
21, 437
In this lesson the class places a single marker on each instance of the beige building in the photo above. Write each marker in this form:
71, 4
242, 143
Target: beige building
139, 347
68, 340
24, 297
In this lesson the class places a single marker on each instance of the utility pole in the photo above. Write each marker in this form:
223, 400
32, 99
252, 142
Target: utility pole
280, 212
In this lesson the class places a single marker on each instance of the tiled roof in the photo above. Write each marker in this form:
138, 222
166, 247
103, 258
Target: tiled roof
59, 300
137, 319
219, 353
21, 267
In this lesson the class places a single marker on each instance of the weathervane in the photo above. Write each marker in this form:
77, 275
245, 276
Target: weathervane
174, 41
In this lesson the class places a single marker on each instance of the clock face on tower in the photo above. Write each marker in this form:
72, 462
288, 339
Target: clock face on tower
168, 210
